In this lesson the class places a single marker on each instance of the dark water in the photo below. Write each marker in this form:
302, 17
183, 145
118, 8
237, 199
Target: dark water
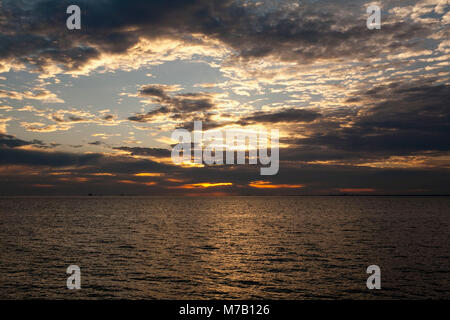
225, 248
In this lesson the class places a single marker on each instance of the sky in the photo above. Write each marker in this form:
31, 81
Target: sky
359, 111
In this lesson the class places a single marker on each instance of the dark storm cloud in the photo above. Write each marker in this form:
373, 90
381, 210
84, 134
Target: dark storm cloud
208, 123
290, 115
35, 32
70, 118
108, 117
177, 106
95, 143
11, 154
9, 141
308, 153
183, 102
149, 115
403, 119
89, 162
154, 152
40, 158
413, 107
154, 91
75, 118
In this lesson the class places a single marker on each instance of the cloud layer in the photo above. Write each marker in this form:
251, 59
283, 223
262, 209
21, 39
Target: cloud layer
359, 111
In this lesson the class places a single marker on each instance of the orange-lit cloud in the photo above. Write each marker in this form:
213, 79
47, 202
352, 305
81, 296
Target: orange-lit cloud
149, 174
3, 124
75, 179
151, 183
269, 185
204, 185
175, 180
19, 170
60, 173
127, 181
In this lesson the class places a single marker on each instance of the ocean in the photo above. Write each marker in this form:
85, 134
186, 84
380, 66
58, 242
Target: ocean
224, 247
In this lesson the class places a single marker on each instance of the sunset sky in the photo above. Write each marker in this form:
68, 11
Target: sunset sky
91, 111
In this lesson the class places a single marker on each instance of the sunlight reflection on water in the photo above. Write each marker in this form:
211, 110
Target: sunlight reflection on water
225, 248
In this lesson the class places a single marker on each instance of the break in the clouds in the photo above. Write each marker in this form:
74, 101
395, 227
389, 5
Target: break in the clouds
93, 109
